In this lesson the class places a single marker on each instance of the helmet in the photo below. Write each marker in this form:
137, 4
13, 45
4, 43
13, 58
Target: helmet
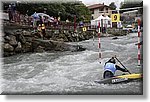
112, 60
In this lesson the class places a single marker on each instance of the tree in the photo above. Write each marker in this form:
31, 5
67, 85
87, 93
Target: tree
112, 5
131, 5
64, 10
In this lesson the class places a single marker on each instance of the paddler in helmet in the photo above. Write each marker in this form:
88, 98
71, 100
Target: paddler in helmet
110, 68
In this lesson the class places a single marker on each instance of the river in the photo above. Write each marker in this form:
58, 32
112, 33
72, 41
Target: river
71, 72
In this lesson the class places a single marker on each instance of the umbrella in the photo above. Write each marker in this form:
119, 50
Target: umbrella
42, 14
35, 16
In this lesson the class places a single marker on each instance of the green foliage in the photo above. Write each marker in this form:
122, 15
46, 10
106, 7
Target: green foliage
132, 5
112, 5
64, 10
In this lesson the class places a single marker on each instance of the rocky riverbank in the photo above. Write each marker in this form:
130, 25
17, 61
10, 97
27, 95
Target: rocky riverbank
23, 41
16, 40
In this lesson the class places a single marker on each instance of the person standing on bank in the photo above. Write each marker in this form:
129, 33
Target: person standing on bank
42, 28
110, 68
43, 31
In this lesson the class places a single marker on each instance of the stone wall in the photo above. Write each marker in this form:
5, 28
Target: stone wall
23, 41
18, 39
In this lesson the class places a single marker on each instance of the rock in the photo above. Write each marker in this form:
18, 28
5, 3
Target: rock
27, 47
18, 48
7, 47
26, 33
22, 39
8, 32
47, 44
28, 39
6, 54
13, 41
7, 38
61, 47
115, 38
80, 48
39, 49
116, 32
77, 48
48, 34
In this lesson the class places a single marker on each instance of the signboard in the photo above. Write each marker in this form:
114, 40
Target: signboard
115, 17
84, 29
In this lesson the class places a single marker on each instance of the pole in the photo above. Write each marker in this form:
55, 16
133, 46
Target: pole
106, 21
93, 38
74, 23
99, 43
139, 42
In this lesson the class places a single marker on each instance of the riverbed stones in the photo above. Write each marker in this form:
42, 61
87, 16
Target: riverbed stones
19, 47
39, 49
7, 47
27, 47
13, 41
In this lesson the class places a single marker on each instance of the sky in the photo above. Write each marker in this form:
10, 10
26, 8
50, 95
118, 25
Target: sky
106, 2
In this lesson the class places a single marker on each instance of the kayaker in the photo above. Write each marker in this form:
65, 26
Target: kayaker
110, 68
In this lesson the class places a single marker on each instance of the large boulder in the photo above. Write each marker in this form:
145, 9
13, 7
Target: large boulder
39, 49
28, 39
13, 42
61, 46
46, 44
76, 48
27, 47
8, 32
8, 48
22, 39
26, 33
18, 48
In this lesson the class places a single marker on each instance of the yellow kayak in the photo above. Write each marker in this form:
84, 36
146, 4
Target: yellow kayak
120, 79
130, 76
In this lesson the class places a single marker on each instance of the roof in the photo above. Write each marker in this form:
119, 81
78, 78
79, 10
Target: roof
97, 6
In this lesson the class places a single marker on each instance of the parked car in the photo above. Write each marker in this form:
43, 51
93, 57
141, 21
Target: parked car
129, 28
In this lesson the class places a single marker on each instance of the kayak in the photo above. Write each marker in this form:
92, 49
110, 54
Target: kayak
130, 76
120, 79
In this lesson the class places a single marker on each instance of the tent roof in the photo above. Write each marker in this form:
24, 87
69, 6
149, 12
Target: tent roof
99, 18
102, 17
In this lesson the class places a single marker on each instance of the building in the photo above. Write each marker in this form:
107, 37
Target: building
100, 9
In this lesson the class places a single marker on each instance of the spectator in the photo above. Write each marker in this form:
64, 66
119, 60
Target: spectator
9, 10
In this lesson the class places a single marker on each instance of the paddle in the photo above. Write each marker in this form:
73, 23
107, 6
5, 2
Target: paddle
122, 64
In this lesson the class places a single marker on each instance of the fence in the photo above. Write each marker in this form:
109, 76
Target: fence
25, 20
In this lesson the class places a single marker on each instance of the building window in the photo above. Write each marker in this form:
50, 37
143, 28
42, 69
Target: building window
109, 23
92, 17
92, 11
100, 9
107, 10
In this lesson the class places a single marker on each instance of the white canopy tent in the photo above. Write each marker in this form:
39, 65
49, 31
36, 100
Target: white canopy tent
106, 21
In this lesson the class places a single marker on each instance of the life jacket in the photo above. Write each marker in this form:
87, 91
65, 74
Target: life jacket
43, 26
110, 67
